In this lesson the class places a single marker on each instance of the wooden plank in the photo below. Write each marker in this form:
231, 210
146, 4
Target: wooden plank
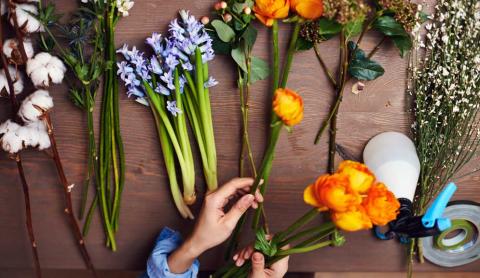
147, 206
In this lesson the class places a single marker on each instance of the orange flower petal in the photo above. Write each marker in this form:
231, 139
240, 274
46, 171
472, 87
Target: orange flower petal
361, 178
352, 220
309, 9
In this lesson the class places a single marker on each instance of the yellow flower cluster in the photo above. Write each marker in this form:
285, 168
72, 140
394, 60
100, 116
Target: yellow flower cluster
268, 10
354, 198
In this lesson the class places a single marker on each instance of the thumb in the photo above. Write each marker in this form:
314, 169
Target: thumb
236, 212
258, 265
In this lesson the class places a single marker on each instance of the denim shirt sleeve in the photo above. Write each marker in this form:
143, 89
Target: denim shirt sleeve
157, 264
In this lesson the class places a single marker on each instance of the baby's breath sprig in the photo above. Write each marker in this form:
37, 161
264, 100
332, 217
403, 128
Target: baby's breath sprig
446, 91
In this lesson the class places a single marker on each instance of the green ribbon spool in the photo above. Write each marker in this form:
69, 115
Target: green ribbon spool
467, 233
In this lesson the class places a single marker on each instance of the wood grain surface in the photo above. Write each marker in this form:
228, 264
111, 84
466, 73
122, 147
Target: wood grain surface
147, 206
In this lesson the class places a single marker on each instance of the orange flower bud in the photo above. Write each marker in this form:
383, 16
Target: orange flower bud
360, 177
309, 9
352, 220
332, 192
268, 10
288, 106
381, 205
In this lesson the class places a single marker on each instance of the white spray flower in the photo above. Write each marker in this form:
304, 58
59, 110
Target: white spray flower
124, 6
16, 78
26, 18
11, 49
9, 138
35, 106
44, 69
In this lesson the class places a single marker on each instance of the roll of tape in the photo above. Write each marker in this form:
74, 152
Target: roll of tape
460, 244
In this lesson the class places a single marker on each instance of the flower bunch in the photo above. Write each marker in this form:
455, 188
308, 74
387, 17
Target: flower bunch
353, 197
175, 83
88, 49
354, 200
444, 78
30, 125
349, 19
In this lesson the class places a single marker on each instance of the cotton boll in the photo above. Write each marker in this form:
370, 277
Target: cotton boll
12, 51
26, 18
35, 105
16, 78
45, 68
39, 135
10, 138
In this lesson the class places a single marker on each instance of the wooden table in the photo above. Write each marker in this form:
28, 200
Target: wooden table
147, 206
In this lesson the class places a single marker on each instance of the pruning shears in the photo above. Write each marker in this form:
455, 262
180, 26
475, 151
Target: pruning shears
408, 226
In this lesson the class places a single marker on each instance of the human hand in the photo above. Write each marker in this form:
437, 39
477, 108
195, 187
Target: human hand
214, 225
276, 270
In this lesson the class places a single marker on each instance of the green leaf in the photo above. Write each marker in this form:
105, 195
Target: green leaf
328, 28
238, 55
259, 69
404, 44
389, 26
250, 36
224, 32
220, 47
423, 17
303, 44
354, 27
263, 245
362, 67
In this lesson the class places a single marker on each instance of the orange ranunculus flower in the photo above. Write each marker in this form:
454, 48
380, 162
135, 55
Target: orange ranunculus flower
352, 220
361, 178
268, 10
309, 9
381, 205
332, 192
288, 106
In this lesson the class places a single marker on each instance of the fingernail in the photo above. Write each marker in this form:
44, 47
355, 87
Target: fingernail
235, 257
257, 257
261, 182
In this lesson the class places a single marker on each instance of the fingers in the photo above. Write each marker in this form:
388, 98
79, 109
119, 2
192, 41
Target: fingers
231, 187
231, 217
258, 265
280, 268
243, 255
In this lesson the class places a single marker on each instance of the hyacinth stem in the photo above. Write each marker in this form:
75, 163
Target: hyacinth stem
169, 158
67, 188
18, 160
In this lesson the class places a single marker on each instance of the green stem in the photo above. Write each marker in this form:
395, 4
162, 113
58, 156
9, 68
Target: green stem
276, 56
318, 232
290, 53
92, 150
306, 218
305, 249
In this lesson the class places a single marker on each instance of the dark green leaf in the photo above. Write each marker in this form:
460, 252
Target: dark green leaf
238, 55
220, 47
389, 26
250, 36
362, 67
354, 28
404, 44
263, 245
224, 32
259, 69
328, 27
303, 44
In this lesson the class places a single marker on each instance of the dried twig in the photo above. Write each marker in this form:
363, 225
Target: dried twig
67, 188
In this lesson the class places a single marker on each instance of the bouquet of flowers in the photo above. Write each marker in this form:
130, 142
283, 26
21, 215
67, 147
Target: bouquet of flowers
174, 82
353, 200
